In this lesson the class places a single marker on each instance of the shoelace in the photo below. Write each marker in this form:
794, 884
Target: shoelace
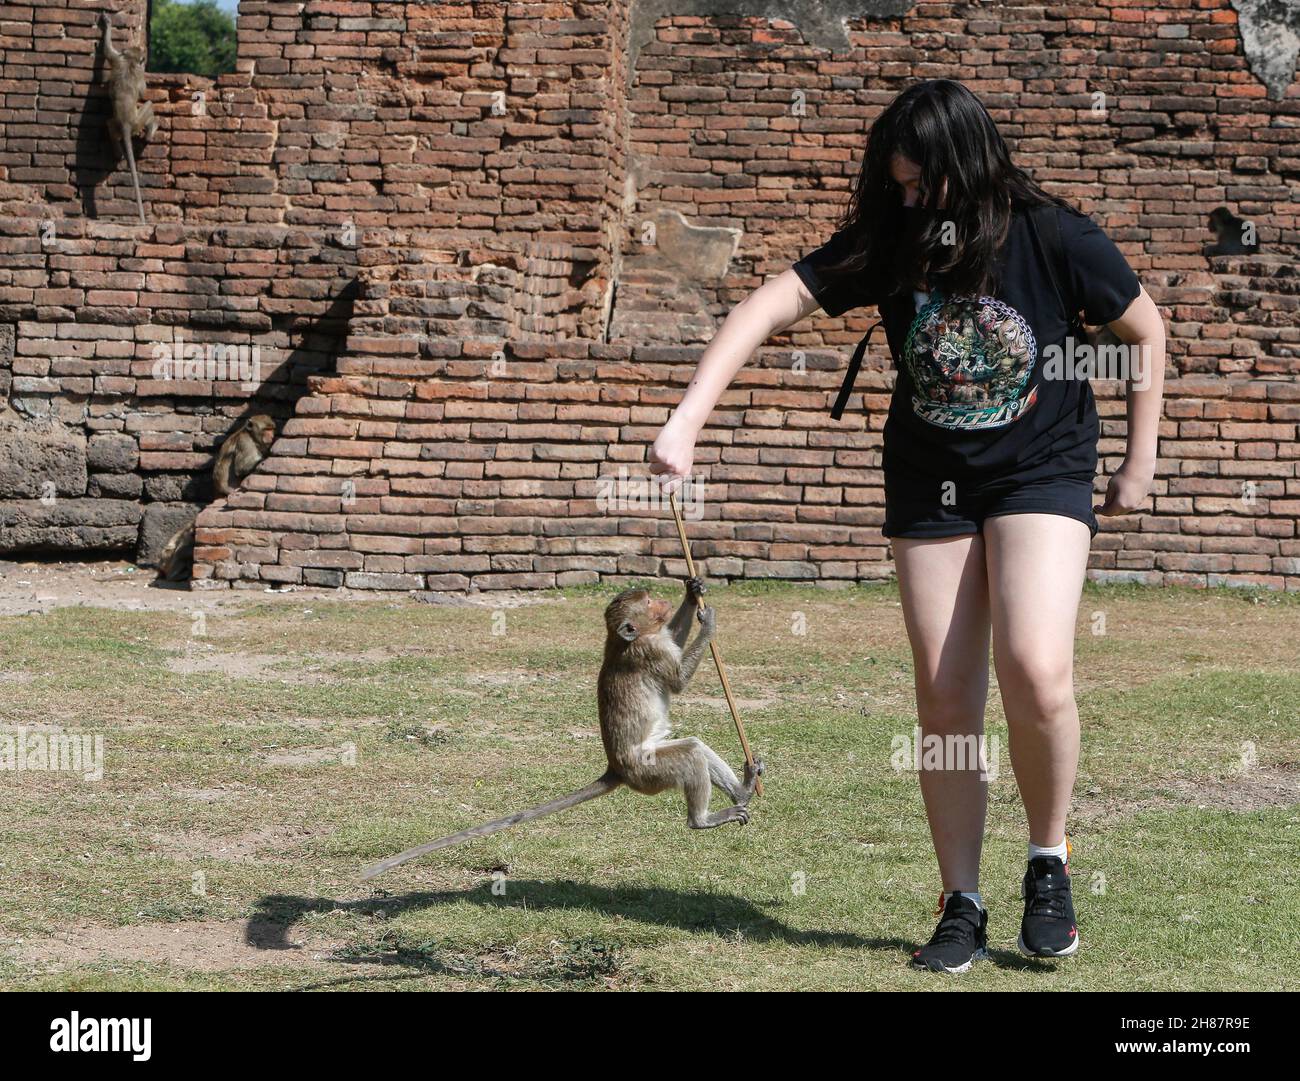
1048, 897
955, 927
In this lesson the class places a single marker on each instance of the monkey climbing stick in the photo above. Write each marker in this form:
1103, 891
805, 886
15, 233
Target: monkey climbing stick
713, 645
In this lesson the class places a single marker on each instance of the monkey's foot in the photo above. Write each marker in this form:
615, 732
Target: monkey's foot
721, 818
737, 814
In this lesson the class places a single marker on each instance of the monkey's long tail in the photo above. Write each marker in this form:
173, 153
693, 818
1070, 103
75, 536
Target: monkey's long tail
601, 787
135, 176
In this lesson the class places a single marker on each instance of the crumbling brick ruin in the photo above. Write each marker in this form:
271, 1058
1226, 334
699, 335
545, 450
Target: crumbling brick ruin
468, 253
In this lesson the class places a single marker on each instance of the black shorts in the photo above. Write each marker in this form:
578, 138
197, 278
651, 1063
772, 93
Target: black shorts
922, 507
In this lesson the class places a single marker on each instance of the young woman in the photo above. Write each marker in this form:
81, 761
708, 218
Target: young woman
989, 454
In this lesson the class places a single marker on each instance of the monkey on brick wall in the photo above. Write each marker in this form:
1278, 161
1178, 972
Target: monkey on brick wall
241, 452
131, 117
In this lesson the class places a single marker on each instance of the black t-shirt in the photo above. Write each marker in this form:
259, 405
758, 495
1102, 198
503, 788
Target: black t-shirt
970, 401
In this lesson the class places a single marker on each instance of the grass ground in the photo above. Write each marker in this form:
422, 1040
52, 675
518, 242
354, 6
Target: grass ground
254, 768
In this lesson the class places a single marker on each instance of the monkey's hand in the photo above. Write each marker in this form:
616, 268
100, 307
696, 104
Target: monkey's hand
708, 620
695, 590
105, 19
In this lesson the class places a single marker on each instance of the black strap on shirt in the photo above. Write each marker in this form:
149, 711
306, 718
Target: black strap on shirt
1047, 228
846, 388
1046, 225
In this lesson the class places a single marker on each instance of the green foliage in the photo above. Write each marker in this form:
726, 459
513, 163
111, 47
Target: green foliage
194, 37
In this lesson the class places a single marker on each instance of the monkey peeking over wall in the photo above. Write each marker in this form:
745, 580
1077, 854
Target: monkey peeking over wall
131, 117
646, 661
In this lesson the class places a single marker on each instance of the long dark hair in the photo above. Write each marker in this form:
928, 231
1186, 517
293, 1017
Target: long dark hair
945, 129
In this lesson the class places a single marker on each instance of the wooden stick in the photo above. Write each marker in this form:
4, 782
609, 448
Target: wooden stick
713, 646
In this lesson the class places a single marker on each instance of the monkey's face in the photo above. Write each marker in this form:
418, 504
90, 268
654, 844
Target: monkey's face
634, 614
133, 55
262, 429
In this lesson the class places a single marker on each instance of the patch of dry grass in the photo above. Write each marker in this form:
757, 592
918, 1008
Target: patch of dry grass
252, 770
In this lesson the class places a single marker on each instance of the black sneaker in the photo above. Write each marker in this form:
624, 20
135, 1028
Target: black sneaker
1048, 928
960, 939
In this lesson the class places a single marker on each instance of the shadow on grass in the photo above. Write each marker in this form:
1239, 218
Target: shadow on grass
1020, 963
688, 910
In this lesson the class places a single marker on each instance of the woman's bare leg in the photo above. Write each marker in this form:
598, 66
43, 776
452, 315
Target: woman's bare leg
944, 590
1036, 567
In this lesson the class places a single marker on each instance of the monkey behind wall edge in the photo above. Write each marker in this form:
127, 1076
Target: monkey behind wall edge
647, 660
242, 452
131, 116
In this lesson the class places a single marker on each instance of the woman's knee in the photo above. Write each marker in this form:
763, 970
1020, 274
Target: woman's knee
952, 704
1036, 684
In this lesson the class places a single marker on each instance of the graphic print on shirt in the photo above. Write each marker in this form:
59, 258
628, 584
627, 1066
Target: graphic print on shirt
970, 359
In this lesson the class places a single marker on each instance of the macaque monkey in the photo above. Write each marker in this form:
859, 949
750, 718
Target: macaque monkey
646, 661
177, 557
240, 454
132, 117
1233, 235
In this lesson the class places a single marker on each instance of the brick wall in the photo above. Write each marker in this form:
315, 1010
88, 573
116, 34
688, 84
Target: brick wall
96, 453
480, 246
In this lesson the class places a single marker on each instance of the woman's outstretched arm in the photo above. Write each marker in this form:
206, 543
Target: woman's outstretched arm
771, 308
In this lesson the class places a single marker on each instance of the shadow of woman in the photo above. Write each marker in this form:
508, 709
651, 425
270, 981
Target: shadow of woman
689, 910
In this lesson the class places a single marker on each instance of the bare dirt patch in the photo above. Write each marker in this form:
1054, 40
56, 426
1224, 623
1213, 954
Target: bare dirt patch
1257, 789
309, 723
239, 666
204, 946
306, 756
242, 847
276, 667
32, 588
28, 588
505, 598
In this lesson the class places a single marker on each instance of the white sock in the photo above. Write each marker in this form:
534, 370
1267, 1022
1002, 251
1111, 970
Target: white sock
973, 896
1059, 851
